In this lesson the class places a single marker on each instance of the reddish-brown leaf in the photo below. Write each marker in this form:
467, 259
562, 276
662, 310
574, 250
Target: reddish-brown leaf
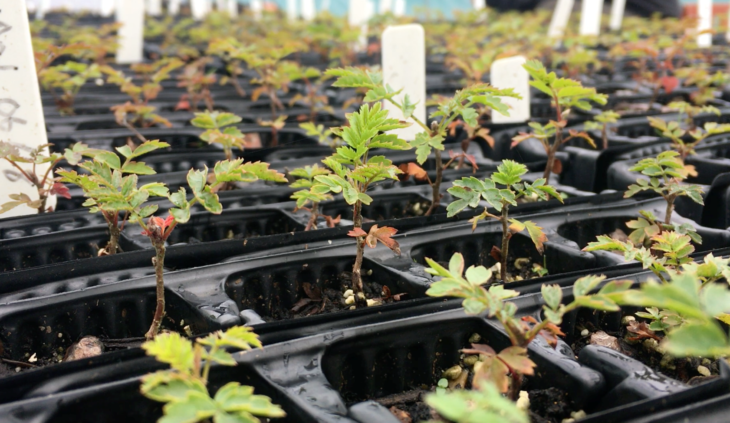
516, 359
496, 253
383, 235
481, 349
332, 222
669, 83
519, 138
312, 291
641, 331
386, 292
416, 171
357, 232
557, 167
60, 190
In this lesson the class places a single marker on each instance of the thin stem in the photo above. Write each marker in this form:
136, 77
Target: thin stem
159, 262
505, 243
670, 208
313, 218
357, 223
436, 186
134, 131
514, 391
114, 232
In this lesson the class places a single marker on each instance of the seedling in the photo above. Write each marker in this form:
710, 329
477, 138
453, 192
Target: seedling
470, 191
690, 110
229, 50
323, 135
111, 187
449, 109
674, 132
601, 122
668, 251
513, 362
485, 401
354, 171
305, 179
43, 182
65, 81
218, 130
137, 113
691, 311
565, 94
197, 82
312, 97
705, 81
666, 174
184, 387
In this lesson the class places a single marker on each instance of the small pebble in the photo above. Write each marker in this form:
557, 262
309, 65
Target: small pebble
350, 300
17, 370
706, 362
521, 262
471, 360
585, 332
475, 338
651, 344
361, 295
348, 293
87, 347
353, 308
60, 335
452, 372
603, 339
627, 319
668, 362
372, 303
704, 371
523, 402
33, 359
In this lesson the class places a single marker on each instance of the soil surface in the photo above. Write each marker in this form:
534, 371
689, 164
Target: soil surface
330, 300
681, 369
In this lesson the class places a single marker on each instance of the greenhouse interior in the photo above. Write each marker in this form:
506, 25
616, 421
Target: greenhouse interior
364, 211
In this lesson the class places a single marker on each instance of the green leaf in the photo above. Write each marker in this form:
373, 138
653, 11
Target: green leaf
235, 398
171, 348
478, 275
586, 284
194, 408
553, 295
168, 386
138, 168
110, 159
597, 302
697, 339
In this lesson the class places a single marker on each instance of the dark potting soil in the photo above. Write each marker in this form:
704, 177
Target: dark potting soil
11, 367
318, 301
681, 369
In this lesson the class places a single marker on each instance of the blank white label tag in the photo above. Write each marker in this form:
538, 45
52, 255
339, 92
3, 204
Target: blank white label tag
291, 10
221, 5
617, 14
385, 6
478, 4
256, 8
399, 9
154, 7
106, 8
590, 17
173, 7
21, 111
509, 73
404, 67
561, 16
130, 13
43, 7
308, 10
704, 10
358, 16
232, 6
199, 8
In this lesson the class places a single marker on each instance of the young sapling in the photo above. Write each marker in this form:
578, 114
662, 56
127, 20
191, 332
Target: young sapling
42, 181
565, 94
65, 81
305, 179
677, 135
601, 122
184, 387
469, 192
449, 109
513, 362
219, 130
354, 171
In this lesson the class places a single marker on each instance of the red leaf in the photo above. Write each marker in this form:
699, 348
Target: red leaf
356, 233
496, 253
641, 331
60, 190
557, 167
481, 349
183, 104
416, 171
669, 83
383, 235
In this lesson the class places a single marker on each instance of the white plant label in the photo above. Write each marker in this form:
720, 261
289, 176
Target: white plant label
509, 73
173, 7
479, 4
154, 7
590, 17
399, 8
308, 10
291, 10
106, 8
199, 8
704, 11
130, 13
21, 110
359, 15
257, 8
617, 14
385, 6
43, 7
561, 16
221, 5
232, 7
404, 67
